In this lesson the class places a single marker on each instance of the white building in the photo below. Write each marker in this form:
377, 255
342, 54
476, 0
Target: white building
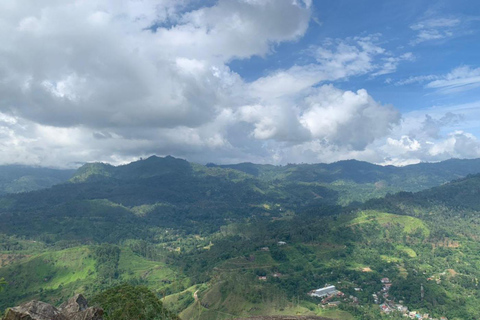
324, 292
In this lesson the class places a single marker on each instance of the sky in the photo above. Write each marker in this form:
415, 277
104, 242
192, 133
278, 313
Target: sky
229, 81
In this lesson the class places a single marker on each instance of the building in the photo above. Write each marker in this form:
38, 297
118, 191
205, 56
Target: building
324, 292
401, 308
333, 303
385, 308
281, 243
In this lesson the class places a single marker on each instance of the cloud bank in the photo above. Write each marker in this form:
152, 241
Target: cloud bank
115, 80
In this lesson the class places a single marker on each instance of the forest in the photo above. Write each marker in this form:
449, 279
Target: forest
219, 242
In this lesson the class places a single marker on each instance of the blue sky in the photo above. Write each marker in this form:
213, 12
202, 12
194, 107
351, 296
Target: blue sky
225, 81
393, 21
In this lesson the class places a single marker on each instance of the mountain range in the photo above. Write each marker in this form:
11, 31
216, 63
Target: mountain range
223, 241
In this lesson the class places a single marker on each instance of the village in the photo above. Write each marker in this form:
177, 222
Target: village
331, 297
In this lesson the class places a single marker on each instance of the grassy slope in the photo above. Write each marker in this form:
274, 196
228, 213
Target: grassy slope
48, 276
55, 276
410, 224
156, 275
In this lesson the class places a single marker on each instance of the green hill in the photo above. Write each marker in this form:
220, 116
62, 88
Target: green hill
218, 242
17, 178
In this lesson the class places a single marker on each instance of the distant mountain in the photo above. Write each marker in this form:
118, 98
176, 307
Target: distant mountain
155, 192
151, 167
409, 178
173, 193
458, 195
18, 178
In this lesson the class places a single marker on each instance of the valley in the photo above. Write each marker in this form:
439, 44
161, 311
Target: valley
225, 242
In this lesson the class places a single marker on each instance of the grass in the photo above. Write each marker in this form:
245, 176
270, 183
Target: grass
337, 314
58, 273
409, 251
390, 258
234, 306
55, 276
156, 274
410, 224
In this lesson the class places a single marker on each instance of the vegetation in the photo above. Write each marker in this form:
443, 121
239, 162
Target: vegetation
200, 237
126, 302
17, 178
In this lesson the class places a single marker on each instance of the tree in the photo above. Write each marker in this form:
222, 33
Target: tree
3, 283
127, 302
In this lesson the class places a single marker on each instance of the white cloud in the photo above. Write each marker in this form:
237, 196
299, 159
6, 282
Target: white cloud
460, 79
346, 118
390, 64
435, 23
416, 79
434, 29
459, 144
94, 64
431, 135
103, 80
334, 60
111, 80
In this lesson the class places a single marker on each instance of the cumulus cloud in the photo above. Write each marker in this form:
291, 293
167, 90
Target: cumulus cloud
431, 127
120, 69
459, 144
430, 135
346, 118
112, 81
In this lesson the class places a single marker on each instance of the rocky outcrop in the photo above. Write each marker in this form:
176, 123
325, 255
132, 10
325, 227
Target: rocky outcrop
76, 308
34, 310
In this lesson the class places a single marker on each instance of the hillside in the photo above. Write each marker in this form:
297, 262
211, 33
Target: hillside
140, 199
220, 243
17, 178
422, 175
358, 180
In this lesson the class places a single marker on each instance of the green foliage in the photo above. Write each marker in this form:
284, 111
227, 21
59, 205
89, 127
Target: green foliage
17, 178
126, 302
171, 225
3, 283
47, 276
107, 257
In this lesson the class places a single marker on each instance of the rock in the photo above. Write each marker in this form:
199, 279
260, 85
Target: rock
89, 314
76, 303
35, 310
76, 308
